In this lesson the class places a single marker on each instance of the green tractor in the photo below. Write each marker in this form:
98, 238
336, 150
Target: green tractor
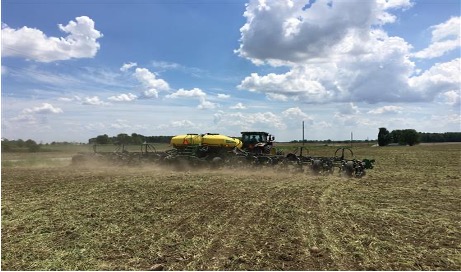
258, 142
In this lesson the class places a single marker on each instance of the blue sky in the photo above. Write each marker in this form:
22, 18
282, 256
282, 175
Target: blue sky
72, 70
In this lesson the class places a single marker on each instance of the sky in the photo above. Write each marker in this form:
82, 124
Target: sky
72, 70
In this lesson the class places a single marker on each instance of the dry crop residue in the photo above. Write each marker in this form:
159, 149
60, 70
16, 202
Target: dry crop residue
404, 215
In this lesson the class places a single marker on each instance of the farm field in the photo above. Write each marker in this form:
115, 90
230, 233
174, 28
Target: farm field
405, 214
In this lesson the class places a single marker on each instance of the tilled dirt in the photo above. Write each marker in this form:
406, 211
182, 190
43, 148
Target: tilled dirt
404, 215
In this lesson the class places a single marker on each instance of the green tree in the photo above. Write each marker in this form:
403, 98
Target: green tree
410, 137
137, 139
6, 145
384, 137
397, 136
32, 146
123, 138
102, 139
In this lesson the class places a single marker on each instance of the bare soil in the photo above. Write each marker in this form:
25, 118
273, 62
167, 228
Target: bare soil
405, 214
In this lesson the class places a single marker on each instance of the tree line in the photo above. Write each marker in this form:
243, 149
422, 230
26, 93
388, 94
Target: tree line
20, 145
133, 139
404, 136
412, 137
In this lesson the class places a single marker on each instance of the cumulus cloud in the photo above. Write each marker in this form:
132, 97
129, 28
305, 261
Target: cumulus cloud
70, 99
123, 97
29, 115
333, 58
127, 66
379, 75
120, 124
94, 100
195, 92
45, 108
238, 106
302, 30
386, 109
152, 85
349, 108
452, 98
24, 118
33, 44
295, 113
178, 124
165, 65
300, 83
249, 121
440, 78
205, 104
223, 96
445, 38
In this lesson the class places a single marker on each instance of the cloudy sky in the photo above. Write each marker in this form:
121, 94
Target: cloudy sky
72, 70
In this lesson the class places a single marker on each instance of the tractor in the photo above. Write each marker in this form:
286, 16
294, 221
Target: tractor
258, 142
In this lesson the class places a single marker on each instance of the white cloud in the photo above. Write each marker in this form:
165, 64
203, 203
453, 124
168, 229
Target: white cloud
387, 109
238, 106
447, 30
295, 113
45, 108
152, 85
182, 124
445, 38
31, 43
338, 60
349, 108
30, 115
223, 96
437, 49
70, 99
452, 98
127, 66
165, 65
440, 78
297, 84
24, 118
250, 121
297, 33
93, 101
195, 92
120, 124
205, 104
383, 17
123, 97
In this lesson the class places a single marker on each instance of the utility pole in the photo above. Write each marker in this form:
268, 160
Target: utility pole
303, 133
352, 138
303, 142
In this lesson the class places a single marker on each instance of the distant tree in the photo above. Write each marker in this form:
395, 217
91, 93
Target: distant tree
32, 146
397, 136
6, 145
384, 137
137, 139
426, 137
410, 137
102, 139
123, 138
20, 143
405, 136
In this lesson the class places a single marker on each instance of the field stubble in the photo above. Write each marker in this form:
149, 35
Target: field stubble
404, 215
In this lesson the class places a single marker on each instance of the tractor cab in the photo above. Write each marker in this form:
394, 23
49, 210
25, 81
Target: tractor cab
258, 142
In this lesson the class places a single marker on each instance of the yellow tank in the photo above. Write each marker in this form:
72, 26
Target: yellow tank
220, 140
185, 140
209, 139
